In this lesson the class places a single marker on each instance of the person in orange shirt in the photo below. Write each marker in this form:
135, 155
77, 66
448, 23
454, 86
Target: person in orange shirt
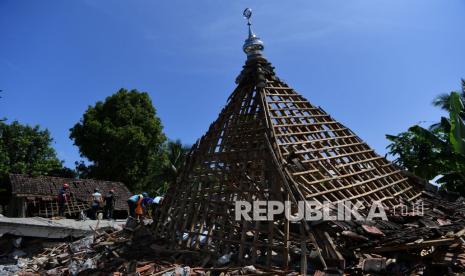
139, 207
133, 203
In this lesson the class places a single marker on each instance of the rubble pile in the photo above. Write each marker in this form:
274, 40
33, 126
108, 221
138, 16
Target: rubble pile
131, 251
430, 242
14, 250
409, 243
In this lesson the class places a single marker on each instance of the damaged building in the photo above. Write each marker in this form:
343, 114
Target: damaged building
270, 143
37, 196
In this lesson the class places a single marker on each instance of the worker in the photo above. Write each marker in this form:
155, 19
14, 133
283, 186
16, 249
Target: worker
95, 203
158, 199
146, 204
63, 197
156, 205
109, 204
140, 206
133, 202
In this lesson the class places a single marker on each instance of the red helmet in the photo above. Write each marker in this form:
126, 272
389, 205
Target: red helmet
66, 185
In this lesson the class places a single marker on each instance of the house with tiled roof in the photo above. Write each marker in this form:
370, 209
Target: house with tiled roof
37, 196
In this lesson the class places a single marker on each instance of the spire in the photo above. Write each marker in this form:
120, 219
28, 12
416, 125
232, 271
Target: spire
253, 46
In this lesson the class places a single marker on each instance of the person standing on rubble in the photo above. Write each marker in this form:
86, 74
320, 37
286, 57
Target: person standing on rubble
95, 204
63, 196
109, 204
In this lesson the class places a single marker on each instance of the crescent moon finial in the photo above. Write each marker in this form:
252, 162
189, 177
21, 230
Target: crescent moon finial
247, 14
253, 46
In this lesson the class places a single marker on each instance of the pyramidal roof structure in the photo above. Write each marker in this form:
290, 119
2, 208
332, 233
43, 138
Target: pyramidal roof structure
270, 143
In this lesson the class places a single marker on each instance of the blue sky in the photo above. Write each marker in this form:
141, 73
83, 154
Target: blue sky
375, 65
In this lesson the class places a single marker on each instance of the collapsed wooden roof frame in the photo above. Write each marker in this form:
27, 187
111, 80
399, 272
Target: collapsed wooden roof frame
270, 143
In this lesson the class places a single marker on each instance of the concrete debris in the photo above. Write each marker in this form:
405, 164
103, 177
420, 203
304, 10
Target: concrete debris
132, 251
13, 268
374, 264
17, 242
82, 244
182, 271
406, 244
51, 228
18, 253
225, 259
77, 266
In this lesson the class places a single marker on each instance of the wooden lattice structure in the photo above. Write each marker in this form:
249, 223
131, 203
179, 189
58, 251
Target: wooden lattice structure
48, 207
270, 143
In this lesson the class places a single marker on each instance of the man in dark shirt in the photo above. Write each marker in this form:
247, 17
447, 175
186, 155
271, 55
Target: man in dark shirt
109, 204
63, 196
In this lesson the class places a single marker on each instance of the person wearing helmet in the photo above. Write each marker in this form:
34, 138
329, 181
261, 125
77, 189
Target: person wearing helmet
63, 197
109, 204
95, 204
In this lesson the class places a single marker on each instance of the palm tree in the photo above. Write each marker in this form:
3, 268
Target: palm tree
443, 100
176, 158
177, 153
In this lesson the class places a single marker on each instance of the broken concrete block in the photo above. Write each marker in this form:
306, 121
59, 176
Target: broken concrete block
250, 269
17, 242
225, 259
81, 244
76, 266
182, 271
374, 265
18, 253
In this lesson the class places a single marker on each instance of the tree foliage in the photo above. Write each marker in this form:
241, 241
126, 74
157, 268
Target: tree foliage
416, 151
443, 101
123, 139
176, 154
457, 125
437, 152
27, 150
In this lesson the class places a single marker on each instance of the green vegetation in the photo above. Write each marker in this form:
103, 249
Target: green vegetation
437, 152
123, 138
28, 150
176, 157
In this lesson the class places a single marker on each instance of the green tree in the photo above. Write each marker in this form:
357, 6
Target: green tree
437, 152
176, 154
25, 149
443, 101
457, 125
419, 150
174, 158
123, 138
